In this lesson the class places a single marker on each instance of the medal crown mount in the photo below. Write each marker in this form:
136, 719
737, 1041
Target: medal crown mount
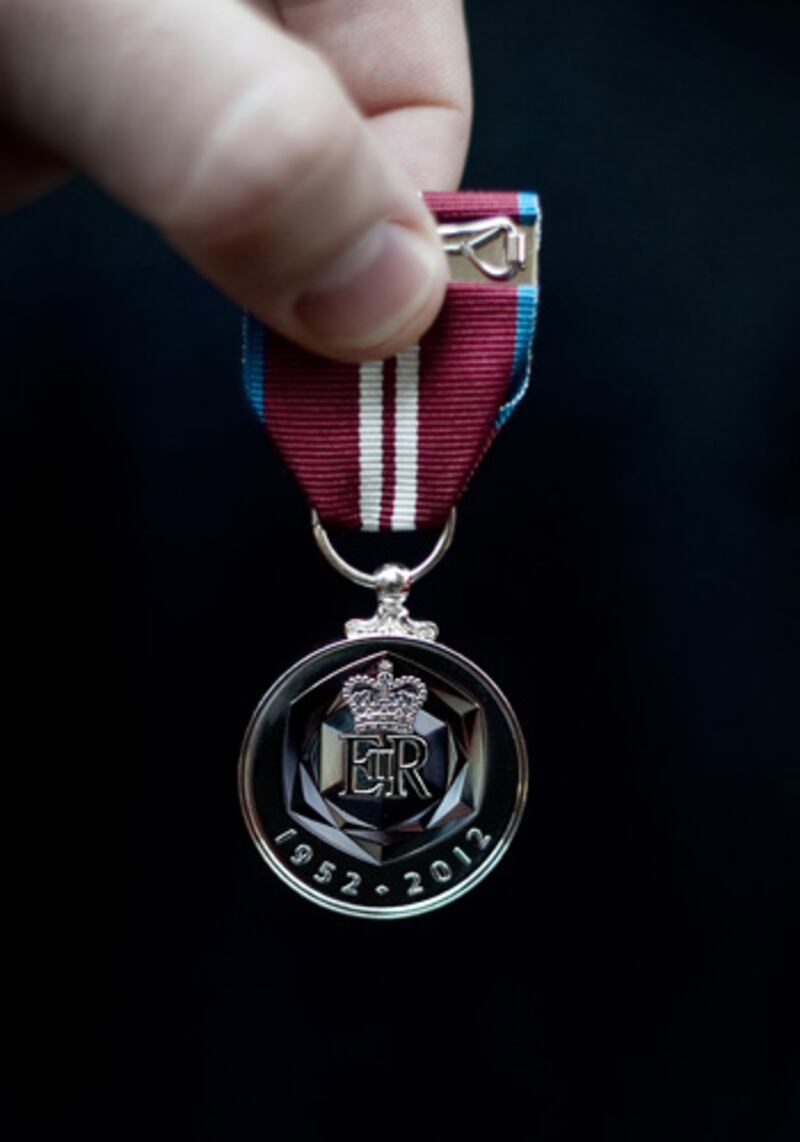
383, 702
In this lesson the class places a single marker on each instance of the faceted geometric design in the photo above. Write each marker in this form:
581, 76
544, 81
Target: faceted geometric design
380, 796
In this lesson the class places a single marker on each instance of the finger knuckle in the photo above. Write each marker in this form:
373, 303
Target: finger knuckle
265, 145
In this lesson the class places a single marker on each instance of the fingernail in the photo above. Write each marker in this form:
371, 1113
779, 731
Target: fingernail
373, 290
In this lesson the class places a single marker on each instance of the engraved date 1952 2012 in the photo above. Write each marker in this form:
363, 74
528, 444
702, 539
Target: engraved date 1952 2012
441, 872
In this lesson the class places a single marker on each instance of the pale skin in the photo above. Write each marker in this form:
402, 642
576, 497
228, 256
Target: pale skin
278, 145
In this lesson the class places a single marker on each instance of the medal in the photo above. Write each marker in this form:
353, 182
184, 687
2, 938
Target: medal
384, 775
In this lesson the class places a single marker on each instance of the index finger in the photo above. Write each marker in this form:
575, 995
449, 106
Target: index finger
405, 64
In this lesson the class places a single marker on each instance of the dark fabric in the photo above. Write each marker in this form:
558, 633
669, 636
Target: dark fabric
630, 971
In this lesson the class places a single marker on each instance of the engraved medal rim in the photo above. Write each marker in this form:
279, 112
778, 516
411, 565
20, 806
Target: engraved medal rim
395, 911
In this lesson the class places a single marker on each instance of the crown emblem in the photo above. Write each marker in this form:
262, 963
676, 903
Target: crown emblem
383, 702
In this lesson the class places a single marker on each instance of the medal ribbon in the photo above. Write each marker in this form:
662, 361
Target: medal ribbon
391, 445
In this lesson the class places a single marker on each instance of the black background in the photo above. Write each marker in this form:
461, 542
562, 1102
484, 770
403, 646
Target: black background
626, 566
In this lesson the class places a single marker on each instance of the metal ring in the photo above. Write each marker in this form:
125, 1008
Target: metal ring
362, 578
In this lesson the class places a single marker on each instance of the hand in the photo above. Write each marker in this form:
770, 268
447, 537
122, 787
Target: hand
278, 145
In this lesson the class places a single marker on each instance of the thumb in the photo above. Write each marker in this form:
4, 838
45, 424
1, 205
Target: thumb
240, 144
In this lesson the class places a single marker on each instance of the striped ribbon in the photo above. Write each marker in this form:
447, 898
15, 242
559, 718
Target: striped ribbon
391, 445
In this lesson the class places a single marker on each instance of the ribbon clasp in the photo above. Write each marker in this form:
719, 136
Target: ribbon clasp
508, 242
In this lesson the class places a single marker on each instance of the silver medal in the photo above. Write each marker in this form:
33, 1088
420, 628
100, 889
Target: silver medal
383, 775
